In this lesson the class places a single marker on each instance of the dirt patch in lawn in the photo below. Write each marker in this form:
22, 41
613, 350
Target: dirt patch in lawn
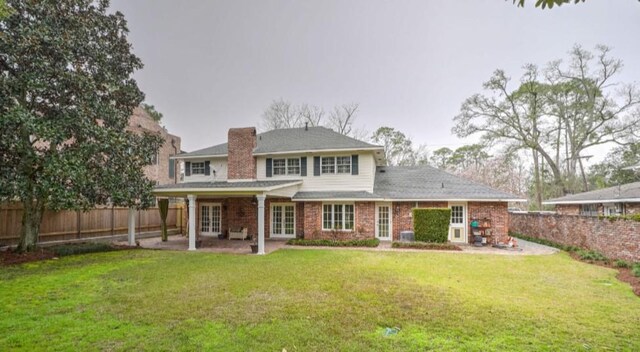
10, 257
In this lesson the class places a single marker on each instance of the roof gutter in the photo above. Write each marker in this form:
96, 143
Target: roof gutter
592, 201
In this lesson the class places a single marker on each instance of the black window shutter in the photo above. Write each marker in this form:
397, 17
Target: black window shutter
269, 167
303, 166
354, 164
187, 168
172, 168
316, 166
207, 168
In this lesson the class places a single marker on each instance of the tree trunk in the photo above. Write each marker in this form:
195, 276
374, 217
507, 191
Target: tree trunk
31, 217
538, 183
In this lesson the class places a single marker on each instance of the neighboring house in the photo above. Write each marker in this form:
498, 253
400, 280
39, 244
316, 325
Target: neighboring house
315, 183
163, 168
617, 200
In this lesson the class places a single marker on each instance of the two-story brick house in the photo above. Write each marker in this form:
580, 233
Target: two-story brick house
315, 183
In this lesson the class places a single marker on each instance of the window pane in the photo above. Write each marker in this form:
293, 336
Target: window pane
279, 167
276, 224
328, 165
289, 220
337, 217
344, 164
327, 215
293, 166
197, 168
348, 217
457, 214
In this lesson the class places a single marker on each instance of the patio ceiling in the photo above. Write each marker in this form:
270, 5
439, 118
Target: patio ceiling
224, 188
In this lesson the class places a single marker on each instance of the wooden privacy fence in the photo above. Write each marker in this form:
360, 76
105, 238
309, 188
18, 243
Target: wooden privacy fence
97, 222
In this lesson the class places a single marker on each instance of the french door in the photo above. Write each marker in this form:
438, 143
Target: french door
383, 221
210, 218
283, 220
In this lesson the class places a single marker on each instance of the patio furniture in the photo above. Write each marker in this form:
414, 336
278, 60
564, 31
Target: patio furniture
238, 233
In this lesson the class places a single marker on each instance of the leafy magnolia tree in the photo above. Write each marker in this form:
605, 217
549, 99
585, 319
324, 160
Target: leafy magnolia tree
557, 115
616, 169
151, 110
548, 3
66, 94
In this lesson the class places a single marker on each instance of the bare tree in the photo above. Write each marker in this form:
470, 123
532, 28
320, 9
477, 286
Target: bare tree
280, 114
342, 118
310, 114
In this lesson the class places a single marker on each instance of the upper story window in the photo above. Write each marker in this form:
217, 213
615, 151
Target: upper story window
197, 168
336, 164
288, 166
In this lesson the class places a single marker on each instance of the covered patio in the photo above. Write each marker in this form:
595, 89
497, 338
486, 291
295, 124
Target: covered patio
219, 208
210, 244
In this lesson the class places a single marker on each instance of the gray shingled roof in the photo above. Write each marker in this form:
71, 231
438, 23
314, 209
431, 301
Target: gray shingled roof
291, 140
628, 192
224, 184
334, 195
428, 183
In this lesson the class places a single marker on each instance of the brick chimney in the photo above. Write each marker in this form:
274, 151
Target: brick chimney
241, 165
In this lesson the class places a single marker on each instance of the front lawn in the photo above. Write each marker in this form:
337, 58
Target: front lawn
316, 300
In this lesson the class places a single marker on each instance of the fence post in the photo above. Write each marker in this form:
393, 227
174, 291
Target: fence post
113, 222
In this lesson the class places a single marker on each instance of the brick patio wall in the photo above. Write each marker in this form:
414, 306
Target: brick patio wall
615, 239
568, 209
364, 222
403, 217
499, 215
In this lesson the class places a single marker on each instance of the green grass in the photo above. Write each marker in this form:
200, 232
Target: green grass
426, 245
320, 300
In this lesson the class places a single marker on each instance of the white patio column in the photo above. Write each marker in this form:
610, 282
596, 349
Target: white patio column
132, 226
192, 221
261, 198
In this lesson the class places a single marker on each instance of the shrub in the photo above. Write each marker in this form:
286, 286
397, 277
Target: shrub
431, 224
621, 264
426, 245
636, 269
592, 255
369, 242
81, 248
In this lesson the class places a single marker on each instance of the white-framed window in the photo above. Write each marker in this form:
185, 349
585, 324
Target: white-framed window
293, 166
336, 165
288, 166
457, 214
338, 217
279, 167
197, 168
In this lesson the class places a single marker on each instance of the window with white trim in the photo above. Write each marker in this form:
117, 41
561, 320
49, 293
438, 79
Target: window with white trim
338, 217
457, 214
286, 166
279, 167
336, 165
197, 168
589, 209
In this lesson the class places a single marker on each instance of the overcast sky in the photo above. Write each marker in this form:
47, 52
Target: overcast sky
213, 65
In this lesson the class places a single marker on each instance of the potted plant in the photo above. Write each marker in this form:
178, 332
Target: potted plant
254, 244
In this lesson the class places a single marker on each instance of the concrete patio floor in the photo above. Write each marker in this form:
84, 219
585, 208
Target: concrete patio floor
214, 245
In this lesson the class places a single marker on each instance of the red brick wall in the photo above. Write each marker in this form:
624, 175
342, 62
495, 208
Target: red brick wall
497, 212
364, 222
615, 239
403, 217
236, 212
632, 208
241, 165
568, 209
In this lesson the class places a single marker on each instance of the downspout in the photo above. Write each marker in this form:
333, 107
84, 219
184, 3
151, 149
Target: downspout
175, 169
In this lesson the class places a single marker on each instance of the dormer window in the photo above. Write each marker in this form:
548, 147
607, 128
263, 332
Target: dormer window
336, 164
197, 168
288, 166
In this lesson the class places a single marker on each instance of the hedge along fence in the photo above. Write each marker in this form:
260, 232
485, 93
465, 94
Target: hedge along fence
431, 224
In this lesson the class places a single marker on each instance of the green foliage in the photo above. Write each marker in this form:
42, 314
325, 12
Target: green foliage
548, 3
613, 170
151, 110
398, 148
81, 248
4, 9
426, 245
636, 269
369, 242
591, 255
66, 95
621, 264
431, 224
612, 218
